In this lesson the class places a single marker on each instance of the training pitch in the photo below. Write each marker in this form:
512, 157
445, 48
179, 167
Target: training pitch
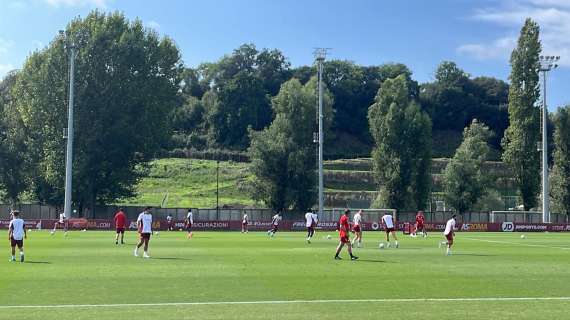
229, 275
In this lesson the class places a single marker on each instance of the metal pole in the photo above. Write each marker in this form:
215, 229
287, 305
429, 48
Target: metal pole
218, 189
321, 138
545, 193
69, 150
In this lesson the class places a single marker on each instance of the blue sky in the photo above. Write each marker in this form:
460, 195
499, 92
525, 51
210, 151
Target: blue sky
478, 35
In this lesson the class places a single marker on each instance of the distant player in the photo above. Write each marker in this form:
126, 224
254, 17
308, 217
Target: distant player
120, 225
311, 220
169, 222
389, 222
420, 219
16, 235
274, 224
449, 233
357, 228
244, 223
189, 222
144, 225
62, 223
343, 230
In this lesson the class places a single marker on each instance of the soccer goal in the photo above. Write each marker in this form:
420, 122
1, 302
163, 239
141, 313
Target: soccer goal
368, 215
516, 216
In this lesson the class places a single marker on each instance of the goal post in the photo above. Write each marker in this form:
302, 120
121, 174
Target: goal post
368, 215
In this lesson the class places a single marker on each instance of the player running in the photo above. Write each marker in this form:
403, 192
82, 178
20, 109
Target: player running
389, 222
120, 224
312, 220
169, 222
274, 224
189, 222
420, 219
449, 233
244, 223
62, 223
16, 235
144, 224
343, 229
357, 228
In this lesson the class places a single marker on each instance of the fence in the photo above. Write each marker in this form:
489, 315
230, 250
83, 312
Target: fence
36, 211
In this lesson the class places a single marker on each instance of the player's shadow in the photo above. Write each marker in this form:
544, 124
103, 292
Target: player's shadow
42, 262
171, 258
474, 254
374, 261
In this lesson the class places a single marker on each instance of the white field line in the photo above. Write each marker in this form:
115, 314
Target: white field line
517, 243
274, 302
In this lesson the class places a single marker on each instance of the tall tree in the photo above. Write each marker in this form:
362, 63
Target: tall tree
523, 132
464, 180
126, 84
283, 158
400, 162
560, 184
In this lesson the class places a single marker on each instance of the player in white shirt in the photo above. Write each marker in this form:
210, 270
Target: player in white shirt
312, 220
389, 222
62, 223
16, 235
189, 222
449, 233
274, 224
244, 223
144, 224
357, 228
169, 222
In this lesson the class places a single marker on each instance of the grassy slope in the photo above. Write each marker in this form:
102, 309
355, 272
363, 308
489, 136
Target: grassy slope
87, 268
192, 183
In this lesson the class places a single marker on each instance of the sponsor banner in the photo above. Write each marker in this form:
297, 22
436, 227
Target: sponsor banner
29, 224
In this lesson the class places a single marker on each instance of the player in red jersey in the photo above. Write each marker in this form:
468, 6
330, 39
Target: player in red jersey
420, 219
120, 223
343, 230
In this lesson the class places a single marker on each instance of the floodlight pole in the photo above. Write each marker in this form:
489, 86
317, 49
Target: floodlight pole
69, 150
547, 63
320, 55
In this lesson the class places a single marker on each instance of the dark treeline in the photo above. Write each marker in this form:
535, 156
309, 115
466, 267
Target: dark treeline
223, 99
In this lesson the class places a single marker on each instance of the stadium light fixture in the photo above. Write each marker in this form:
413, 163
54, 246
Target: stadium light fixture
70, 47
320, 56
547, 63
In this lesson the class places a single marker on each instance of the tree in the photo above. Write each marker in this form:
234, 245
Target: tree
126, 84
523, 132
560, 184
402, 154
464, 181
283, 155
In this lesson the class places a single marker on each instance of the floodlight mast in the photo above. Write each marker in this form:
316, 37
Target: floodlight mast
320, 56
70, 45
547, 63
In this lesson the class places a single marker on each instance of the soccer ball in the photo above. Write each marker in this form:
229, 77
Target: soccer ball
523, 236
156, 233
84, 230
329, 237
29, 230
51, 233
381, 246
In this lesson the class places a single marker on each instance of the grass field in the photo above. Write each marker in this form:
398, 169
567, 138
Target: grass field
285, 278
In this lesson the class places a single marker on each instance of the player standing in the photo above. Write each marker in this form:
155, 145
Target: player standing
144, 224
169, 222
343, 230
274, 224
420, 219
449, 233
357, 228
312, 220
244, 223
16, 235
189, 222
120, 224
389, 222
62, 223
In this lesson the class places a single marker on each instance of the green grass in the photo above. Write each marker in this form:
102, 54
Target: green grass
192, 183
87, 268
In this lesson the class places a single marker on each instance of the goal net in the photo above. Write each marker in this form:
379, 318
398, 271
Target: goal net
516, 216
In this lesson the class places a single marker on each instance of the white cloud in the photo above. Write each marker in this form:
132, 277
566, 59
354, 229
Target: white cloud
5, 45
78, 3
553, 17
4, 69
153, 24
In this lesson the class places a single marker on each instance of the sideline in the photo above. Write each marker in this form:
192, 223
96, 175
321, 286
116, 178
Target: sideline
517, 243
269, 302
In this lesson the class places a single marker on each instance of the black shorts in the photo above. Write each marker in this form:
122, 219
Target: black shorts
19, 243
120, 230
145, 236
189, 228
